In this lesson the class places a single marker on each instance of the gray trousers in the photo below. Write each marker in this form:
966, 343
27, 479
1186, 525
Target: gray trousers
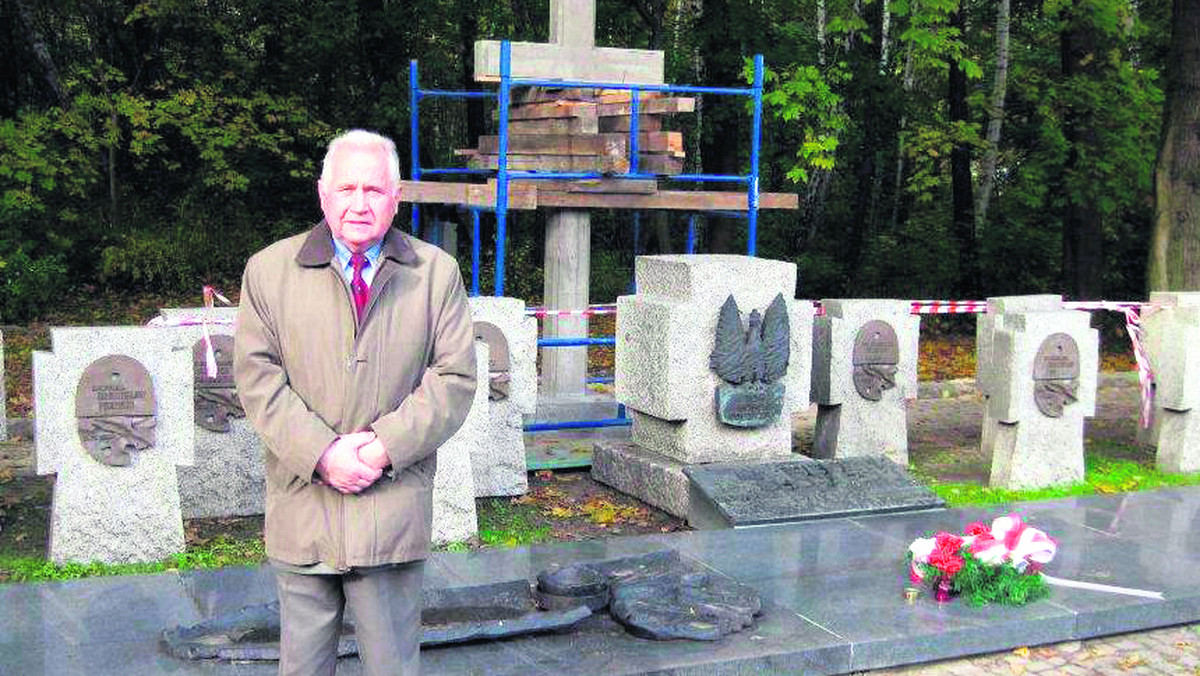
385, 603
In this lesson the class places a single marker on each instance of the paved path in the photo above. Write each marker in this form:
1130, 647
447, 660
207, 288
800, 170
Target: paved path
1174, 651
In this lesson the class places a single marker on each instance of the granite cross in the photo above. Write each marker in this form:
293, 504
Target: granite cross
571, 54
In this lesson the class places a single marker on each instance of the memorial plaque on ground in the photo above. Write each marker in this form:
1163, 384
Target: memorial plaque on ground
737, 495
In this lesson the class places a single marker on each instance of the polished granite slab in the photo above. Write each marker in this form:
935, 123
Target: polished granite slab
832, 594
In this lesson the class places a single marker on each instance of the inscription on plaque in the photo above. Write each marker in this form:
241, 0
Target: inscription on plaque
751, 359
875, 358
115, 409
499, 365
1056, 374
215, 399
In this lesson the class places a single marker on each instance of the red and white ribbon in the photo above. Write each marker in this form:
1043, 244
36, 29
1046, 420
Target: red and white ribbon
202, 320
1137, 336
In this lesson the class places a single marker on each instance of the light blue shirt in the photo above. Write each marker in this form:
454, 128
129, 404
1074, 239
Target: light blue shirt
342, 254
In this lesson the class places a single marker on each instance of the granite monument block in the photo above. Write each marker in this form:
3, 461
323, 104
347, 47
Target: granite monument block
864, 373
1038, 368
1173, 342
666, 337
744, 495
229, 475
113, 417
454, 515
712, 361
499, 464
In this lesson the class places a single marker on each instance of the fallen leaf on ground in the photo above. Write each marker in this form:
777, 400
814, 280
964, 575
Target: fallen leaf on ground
6, 475
559, 512
1183, 645
1131, 662
544, 474
1023, 651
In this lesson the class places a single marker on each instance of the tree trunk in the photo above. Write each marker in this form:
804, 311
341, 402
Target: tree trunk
1175, 245
961, 187
909, 82
37, 43
987, 171
1083, 231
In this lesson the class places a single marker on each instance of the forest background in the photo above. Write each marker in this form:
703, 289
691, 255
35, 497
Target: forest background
941, 148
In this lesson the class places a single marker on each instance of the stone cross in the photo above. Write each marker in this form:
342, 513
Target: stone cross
864, 373
229, 474
1173, 341
571, 53
1037, 366
113, 513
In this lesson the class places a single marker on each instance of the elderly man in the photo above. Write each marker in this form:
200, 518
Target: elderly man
354, 361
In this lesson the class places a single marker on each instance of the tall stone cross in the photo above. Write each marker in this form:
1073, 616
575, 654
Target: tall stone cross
571, 54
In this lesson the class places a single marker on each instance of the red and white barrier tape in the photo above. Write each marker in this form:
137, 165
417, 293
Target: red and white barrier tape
541, 312
951, 307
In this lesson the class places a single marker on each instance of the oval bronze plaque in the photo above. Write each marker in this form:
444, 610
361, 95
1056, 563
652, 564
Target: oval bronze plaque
1056, 374
876, 354
499, 365
115, 409
215, 399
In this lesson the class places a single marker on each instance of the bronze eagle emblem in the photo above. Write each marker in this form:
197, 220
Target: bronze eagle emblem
758, 353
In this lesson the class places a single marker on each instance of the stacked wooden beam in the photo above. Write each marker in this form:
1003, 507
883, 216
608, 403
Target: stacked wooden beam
586, 130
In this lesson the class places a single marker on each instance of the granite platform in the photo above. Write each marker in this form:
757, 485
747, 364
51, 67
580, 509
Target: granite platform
832, 591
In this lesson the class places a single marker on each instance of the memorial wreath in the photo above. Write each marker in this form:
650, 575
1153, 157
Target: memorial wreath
1000, 564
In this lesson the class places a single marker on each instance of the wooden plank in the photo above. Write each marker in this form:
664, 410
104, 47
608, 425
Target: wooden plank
645, 123
466, 194
634, 186
667, 199
670, 142
654, 106
572, 125
551, 110
523, 95
653, 164
541, 61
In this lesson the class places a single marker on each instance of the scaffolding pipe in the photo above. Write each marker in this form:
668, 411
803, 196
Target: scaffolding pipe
414, 99
502, 165
752, 196
474, 252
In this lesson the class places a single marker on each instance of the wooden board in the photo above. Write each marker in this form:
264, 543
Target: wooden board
552, 110
634, 186
617, 124
653, 106
669, 142
668, 199
466, 194
571, 125
652, 164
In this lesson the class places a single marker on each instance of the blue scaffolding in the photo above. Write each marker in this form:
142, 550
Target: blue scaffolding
504, 176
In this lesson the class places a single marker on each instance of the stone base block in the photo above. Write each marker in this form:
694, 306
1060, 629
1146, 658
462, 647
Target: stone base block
499, 463
454, 515
703, 439
228, 478
652, 478
1178, 440
1032, 455
864, 429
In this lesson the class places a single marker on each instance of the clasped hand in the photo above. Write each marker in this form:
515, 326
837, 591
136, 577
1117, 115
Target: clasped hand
353, 462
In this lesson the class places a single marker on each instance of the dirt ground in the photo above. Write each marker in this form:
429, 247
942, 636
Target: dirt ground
567, 505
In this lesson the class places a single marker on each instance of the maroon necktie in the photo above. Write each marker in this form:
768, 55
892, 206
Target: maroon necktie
358, 287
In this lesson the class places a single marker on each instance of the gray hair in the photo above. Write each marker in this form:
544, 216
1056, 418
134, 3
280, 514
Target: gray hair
361, 138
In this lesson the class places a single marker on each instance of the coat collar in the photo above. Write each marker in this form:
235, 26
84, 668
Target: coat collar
317, 249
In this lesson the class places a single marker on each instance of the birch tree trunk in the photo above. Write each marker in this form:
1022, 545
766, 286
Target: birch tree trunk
1175, 245
987, 170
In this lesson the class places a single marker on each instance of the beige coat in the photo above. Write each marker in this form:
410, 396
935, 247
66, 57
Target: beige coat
306, 372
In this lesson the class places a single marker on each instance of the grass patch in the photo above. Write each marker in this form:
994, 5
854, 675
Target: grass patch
504, 524
219, 552
1102, 475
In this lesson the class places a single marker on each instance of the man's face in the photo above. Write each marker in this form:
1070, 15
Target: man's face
358, 197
